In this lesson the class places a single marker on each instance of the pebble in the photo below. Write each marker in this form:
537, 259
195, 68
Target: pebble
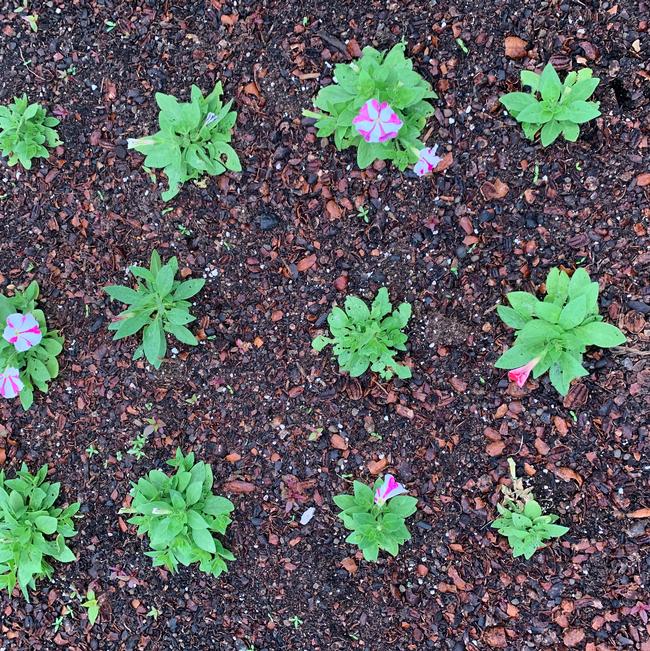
268, 221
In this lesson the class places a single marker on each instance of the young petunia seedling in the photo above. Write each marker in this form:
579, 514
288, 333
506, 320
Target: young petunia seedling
363, 337
522, 520
377, 519
553, 107
553, 334
28, 350
378, 105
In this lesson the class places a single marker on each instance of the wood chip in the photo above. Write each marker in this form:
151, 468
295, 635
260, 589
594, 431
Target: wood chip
515, 47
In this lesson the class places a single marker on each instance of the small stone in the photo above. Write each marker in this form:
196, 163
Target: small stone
268, 221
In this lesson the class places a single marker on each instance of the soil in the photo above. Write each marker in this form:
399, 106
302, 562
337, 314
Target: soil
279, 244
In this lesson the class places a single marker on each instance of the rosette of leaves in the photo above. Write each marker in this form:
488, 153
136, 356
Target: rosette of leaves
522, 520
192, 140
363, 337
375, 527
32, 529
387, 77
157, 306
38, 365
181, 516
553, 107
26, 131
556, 331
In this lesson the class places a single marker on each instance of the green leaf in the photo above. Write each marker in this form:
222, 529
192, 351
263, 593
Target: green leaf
164, 280
47, 524
188, 288
151, 343
573, 313
204, 540
517, 356
532, 509
517, 102
129, 323
550, 86
123, 294
320, 342
579, 112
510, 317
403, 505
550, 131
570, 131
530, 79
535, 113
600, 334
181, 333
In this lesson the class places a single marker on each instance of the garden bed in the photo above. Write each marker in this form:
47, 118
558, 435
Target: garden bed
280, 243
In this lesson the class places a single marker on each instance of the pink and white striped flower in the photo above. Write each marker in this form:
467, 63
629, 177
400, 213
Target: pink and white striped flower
520, 375
428, 161
10, 383
390, 488
22, 331
377, 122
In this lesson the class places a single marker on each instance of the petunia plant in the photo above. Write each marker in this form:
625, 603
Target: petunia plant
376, 519
159, 305
28, 350
181, 516
553, 334
522, 520
26, 131
378, 105
363, 337
32, 529
193, 139
552, 107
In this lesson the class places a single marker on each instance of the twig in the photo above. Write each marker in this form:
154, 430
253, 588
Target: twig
627, 350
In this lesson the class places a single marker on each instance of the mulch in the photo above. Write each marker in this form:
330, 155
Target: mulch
279, 244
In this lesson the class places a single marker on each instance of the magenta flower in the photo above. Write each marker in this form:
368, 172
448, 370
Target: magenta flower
520, 375
390, 488
10, 383
22, 331
377, 122
428, 161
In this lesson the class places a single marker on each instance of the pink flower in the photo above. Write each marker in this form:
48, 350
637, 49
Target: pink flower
22, 331
377, 122
390, 488
10, 383
428, 161
520, 375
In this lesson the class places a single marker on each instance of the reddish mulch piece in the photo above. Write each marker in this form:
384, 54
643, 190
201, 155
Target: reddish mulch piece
279, 244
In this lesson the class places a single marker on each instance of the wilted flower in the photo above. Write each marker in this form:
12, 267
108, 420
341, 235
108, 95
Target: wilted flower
10, 383
428, 161
132, 143
377, 122
520, 375
390, 488
209, 118
22, 331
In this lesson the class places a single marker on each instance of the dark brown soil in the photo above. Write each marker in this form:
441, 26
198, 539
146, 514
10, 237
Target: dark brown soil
249, 397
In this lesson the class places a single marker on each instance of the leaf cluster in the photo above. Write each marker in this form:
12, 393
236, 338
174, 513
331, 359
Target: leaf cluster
373, 527
387, 77
552, 106
37, 365
26, 131
557, 329
159, 305
192, 140
32, 529
363, 337
180, 515
526, 528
